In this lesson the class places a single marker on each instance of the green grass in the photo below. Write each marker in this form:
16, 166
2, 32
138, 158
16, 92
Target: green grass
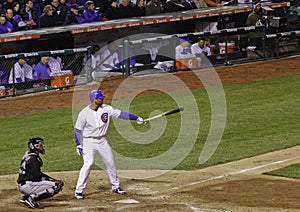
291, 171
262, 116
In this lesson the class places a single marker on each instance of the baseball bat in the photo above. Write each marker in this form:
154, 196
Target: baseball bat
165, 113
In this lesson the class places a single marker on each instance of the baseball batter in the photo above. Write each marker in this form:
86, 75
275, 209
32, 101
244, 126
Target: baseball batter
92, 124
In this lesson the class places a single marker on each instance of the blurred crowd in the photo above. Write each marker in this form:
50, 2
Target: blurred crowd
16, 15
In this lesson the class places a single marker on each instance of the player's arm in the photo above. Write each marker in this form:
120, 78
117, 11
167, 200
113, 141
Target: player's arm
77, 130
77, 133
77, 137
128, 116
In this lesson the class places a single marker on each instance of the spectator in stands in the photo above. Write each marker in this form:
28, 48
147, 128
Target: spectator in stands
65, 6
184, 48
20, 72
200, 4
103, 4
3, 75
125, 9
41, 71
42, 4
153, 7
255, 19
37, 7
200, 49
47, 19
139, 9
59, 13
16, 11
214, 3
29, 15
90, 14
113, 11
81, 2
5, 26
2, 10
8, 4
189, 4
75, 16
173, 6
9, 17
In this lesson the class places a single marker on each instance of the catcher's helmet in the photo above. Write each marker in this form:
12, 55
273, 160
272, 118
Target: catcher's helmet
96, 94
36, 145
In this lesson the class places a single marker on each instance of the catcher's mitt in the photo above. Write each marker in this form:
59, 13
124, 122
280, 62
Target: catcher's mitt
60, 182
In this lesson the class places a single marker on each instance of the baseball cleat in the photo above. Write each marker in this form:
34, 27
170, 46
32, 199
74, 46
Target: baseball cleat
118, 190
39, 205
29, 201
23, 198
78, 195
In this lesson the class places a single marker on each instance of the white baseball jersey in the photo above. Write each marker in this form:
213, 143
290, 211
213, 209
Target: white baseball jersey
197, 50
55, 64
181, 52
178, 51
22, 72
95, 61
109, 60
95, 123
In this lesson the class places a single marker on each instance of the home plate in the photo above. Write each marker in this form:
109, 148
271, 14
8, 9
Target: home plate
127, 201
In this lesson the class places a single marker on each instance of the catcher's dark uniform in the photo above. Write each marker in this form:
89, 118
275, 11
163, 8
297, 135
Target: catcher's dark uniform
32, 182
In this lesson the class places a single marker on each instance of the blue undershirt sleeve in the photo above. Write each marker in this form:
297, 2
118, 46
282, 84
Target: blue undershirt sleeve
128, 116
77, 136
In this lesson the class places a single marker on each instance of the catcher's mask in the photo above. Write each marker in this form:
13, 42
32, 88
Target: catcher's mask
36, 145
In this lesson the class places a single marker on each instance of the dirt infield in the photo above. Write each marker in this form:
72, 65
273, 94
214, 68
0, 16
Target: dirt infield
236, 186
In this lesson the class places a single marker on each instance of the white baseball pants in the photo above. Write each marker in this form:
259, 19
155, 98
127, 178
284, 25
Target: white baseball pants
90, 147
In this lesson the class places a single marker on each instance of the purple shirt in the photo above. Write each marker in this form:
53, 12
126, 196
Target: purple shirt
3, 29
3, 75
91, 16
41, 71
8, 25
17, 18
81, 2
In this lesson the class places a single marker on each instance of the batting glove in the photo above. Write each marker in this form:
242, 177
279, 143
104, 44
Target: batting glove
79, 150
140, 120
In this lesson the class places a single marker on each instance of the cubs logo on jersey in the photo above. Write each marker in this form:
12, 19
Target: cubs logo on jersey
104, 117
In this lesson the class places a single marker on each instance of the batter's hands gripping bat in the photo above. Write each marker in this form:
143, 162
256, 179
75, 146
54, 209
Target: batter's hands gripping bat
165, 114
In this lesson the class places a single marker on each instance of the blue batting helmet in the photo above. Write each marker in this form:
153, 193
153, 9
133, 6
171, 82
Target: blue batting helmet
96, 94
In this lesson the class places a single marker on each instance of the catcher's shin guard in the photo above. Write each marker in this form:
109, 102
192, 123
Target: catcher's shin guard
48, 193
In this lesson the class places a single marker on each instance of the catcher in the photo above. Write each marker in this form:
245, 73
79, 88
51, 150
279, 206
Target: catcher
34, 184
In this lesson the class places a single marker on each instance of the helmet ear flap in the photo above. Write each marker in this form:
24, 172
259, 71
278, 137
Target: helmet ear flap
30, 146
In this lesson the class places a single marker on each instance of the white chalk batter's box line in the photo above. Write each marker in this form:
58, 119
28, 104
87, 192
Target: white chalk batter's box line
229, 174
